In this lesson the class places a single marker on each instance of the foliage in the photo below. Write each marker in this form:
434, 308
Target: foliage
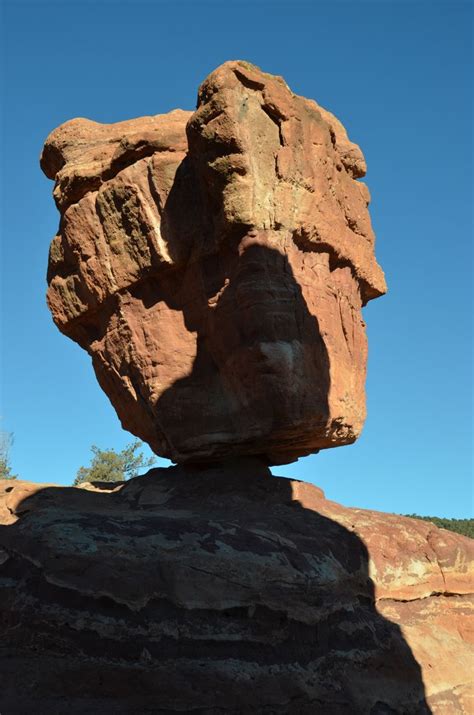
460, 526
5, 470
107, 465
6, 441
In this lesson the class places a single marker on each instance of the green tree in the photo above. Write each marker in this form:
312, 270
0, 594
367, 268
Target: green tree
6, 441
107, 465
460, 526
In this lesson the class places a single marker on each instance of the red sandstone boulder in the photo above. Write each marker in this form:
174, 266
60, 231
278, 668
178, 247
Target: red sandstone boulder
214, 265
228, 590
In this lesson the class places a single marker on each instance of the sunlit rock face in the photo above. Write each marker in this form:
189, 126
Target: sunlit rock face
214, 265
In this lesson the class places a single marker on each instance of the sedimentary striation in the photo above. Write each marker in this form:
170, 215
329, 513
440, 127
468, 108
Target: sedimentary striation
214, 265
227, 590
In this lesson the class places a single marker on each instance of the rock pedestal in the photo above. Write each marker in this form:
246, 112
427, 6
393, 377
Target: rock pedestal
227, 591
214, 265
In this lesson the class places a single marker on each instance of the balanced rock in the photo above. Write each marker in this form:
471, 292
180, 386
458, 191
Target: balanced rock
214, 265
228, 590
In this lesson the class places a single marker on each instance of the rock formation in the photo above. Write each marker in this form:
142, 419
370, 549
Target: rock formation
227, 590
214, 265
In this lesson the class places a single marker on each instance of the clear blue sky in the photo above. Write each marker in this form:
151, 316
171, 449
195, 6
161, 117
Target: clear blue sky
398, 75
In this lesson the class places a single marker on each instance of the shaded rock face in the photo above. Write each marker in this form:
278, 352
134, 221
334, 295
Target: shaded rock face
227, 590
214, 265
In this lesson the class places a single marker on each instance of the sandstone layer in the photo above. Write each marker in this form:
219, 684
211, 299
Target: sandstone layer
227, 591
214, 265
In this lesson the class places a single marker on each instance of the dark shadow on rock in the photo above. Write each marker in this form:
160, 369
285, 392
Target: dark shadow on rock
258, 348
207, 589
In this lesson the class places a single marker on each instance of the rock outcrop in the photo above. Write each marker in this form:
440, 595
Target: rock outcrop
214, 265
227, 590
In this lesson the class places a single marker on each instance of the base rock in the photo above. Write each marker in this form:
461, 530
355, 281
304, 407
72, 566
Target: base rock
227, 590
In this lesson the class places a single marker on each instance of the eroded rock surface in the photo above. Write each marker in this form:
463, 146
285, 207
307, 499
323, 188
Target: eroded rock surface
214, 264
227, 591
